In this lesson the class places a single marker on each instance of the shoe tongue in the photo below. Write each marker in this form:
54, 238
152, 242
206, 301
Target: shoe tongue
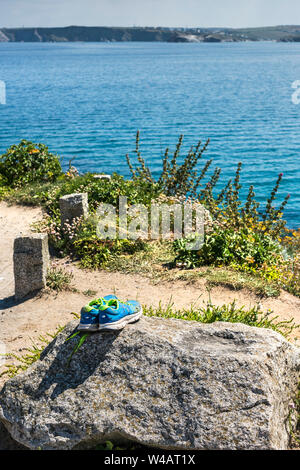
113, 303
98, 303
94, 302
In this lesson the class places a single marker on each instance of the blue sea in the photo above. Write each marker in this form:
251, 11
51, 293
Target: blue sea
89, 99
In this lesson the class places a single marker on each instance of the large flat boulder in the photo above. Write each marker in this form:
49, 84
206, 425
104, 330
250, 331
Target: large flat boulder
165, 383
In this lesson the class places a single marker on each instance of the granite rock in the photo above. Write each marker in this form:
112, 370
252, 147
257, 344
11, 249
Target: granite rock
31, 262
73, 206
164, 383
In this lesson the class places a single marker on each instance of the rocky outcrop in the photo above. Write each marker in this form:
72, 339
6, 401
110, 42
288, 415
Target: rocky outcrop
3, 37
210, 38
182, 37
161, 382
290, 39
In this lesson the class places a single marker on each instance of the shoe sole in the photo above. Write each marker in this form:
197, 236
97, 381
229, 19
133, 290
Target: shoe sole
120, 324
88, 327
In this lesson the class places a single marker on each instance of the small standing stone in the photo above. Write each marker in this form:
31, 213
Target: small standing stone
31, 262
73, 206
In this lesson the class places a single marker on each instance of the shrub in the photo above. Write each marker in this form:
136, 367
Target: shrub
175, 179
61, 237
242, 234
289, 275
231, 212
98, 191
4, 189
183, 181
28, 162
245, 251
291, 241
225, 247
79, 240
187, 180
94, 253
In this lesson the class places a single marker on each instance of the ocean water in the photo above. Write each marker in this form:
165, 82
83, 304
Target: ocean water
88, 100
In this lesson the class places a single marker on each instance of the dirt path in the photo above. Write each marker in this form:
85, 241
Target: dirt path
21, 323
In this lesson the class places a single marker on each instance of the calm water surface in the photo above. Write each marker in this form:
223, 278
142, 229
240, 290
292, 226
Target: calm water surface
88, 100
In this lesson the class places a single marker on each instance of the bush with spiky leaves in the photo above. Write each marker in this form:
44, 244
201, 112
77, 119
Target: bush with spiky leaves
226, 207
175, 179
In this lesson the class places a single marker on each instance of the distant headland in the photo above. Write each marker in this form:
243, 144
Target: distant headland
149, 34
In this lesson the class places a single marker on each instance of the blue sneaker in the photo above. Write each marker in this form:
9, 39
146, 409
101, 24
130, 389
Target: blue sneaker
114, 314
89, 318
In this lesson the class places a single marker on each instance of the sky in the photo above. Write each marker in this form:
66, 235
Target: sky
172, 13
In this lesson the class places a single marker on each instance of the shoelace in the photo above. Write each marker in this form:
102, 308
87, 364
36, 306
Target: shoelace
103, 304
112, 303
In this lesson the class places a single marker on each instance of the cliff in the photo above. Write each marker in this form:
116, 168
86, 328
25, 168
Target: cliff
149, 34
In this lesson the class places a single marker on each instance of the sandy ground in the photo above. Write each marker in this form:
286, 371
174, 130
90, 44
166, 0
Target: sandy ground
21, 323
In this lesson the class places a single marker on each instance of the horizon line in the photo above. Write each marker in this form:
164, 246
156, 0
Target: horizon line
162, 27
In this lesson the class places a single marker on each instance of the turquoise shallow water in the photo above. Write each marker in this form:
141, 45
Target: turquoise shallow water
88, 100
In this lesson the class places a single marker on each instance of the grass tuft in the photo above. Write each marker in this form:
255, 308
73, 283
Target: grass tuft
59, 279
32, 355
235, 280
226, 313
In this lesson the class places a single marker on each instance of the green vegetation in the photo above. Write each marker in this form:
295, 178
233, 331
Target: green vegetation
27, 162
175, 179
89, 293
59, 279
33, 354
226, 313
82, 338
245, 236
237, 280
226, 246
246, 245
47, 195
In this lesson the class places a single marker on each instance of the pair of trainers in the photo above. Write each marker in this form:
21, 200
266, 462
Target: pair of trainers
109, 313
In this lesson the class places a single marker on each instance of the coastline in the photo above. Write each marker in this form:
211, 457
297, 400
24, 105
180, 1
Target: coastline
149, 34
